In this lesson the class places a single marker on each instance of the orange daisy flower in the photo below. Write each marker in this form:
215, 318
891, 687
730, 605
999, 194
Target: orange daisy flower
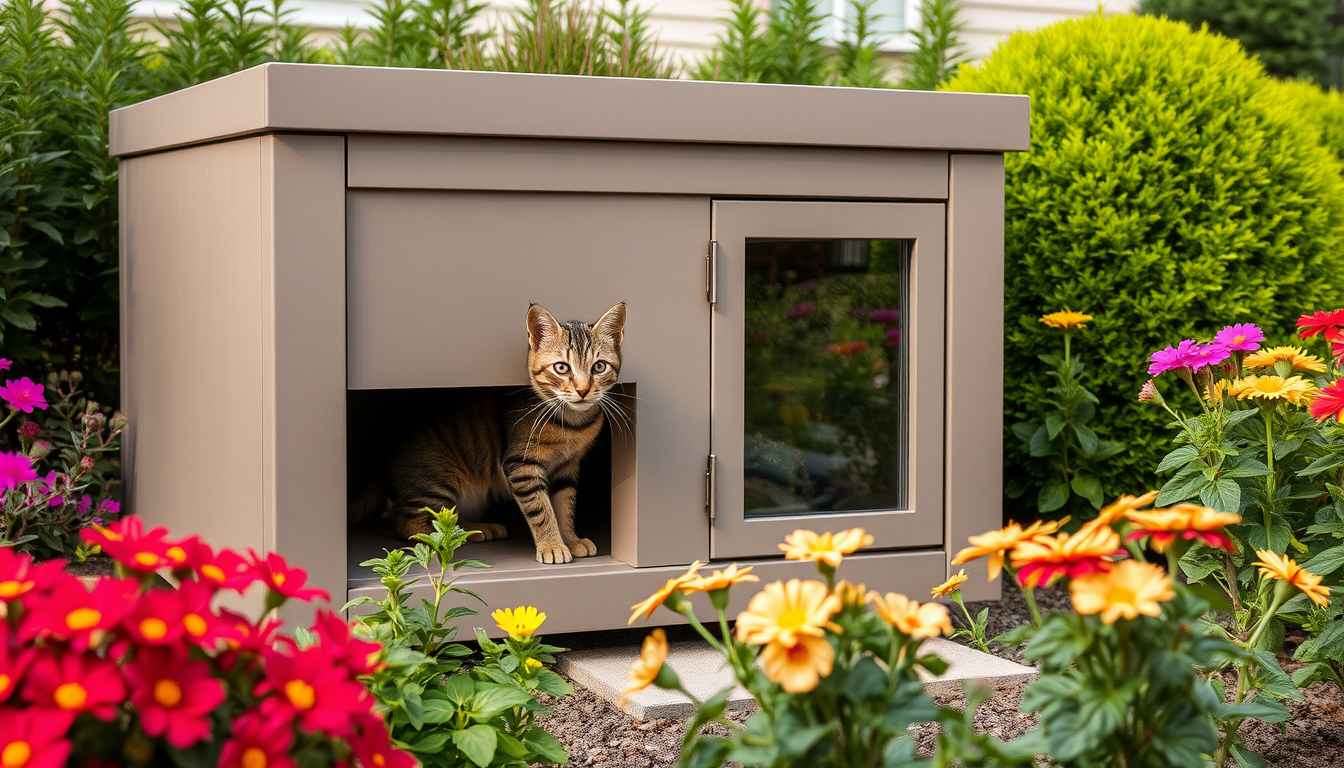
995, 543
1044, 559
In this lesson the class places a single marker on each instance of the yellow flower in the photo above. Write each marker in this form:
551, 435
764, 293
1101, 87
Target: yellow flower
1127, 590
951, 585
782, 613
851, 594
1066, 319
798, 667
1217, 392
719, 580
649, 606
533, 664
1044, 559
1294, 356
1122, 506
519, 622
911, 618
825, 548
996, 543
1293, 389
646, 668
1283, 568
1188, 521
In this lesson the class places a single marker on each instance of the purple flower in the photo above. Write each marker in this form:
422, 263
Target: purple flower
1242, 337
800, 310
23, 395
885, 316
109, 507
84, 503
15, 468
893, 338
4, 364
1171, 358
1208, 354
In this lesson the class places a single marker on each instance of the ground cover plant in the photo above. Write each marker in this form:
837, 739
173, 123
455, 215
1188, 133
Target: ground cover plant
1168, 189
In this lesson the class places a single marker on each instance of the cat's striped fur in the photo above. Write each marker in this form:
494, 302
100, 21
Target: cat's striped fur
484, 448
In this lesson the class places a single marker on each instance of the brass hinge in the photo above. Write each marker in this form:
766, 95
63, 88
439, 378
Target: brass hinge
709, 489
712, 273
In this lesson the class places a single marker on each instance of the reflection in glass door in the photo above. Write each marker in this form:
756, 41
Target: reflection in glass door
826, 385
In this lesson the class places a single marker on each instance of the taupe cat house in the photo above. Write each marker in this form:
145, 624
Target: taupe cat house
813, 277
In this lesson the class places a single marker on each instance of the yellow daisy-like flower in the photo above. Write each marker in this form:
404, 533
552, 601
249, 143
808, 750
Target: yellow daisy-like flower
995, 543
911, 618
1127, 590
1187, 521
657, 598
784, 612
851, 594
533, 664
825, 548
1294, 356
719, 580
1044, 559
1066, 319
951, 585
1283, 568
519, 622
646, 668
798, 667
1122, 506
1294, 389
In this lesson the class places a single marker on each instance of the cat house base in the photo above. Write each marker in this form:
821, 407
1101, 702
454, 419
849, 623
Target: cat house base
813, 280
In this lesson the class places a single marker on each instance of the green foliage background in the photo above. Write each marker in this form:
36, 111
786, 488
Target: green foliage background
1292, 38
1171, 189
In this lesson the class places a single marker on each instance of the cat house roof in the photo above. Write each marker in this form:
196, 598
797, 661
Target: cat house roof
313, 98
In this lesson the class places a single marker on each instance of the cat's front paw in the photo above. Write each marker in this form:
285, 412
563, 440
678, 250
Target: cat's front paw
553, 554
486, 531
582, 547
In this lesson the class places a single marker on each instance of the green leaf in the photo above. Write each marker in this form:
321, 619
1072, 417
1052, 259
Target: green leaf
1087, 439
48, 230
1088, 487
1224, 495
546, 746
477, 743
555, 685
1249, 467
1323, 464
459, 689
1040, 443
1245, 758
1264, 709
490, 700
19, 318
1052, 496
1054, 424
1326, 562
1270, 678
1178, 458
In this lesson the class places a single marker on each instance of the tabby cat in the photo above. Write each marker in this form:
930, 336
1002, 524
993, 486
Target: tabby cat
483, 449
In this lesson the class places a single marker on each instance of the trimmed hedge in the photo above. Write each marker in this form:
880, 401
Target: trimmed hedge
1170, 189
1322, 109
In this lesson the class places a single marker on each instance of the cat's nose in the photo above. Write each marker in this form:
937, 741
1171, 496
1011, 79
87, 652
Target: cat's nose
582, 389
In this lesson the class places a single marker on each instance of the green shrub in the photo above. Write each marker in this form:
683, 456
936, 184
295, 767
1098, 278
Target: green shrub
1168, 192
1322, 109
1292, 38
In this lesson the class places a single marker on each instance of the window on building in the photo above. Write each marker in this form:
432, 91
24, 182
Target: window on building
895, 20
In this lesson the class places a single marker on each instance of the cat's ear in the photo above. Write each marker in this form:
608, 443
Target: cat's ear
540, 326
612, 324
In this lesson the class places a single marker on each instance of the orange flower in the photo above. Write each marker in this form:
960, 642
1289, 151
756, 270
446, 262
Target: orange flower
995, 543
1188, 521
719, 580
649, 606
1044, 558
951, 585
1129, 589
851, 594
911, 618
784, 612
1066, 319
798, 667
652, 656
1122, 506
1284, 569
825, 548
1293, 358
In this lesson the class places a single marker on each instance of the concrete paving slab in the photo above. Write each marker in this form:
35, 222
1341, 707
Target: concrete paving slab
604, 671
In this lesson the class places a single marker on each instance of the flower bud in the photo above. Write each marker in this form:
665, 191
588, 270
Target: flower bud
1148, 393
40, 448
29, 429
86, 462
76, 377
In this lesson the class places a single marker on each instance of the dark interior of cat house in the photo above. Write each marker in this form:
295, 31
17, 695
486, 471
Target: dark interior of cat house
380, 421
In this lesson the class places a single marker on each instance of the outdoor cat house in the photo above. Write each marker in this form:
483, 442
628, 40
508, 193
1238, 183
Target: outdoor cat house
313, 256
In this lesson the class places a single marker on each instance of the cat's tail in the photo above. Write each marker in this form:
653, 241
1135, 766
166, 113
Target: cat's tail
367, 504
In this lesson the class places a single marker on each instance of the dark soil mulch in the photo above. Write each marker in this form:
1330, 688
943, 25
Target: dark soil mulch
97, 565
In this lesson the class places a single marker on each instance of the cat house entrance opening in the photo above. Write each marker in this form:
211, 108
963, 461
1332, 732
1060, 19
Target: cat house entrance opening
408, 448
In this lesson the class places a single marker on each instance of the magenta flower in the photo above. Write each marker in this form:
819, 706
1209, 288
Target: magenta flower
885, 316
4, 364
800, 310
109, 507
82, 506
893, 338
1208, 354
1172, 358
1242, 337
15, 468
23, 395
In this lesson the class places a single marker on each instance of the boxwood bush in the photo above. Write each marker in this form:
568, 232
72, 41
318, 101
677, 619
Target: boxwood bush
1170, 189
1322, 109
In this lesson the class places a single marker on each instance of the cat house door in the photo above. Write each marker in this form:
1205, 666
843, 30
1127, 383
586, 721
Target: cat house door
827, 372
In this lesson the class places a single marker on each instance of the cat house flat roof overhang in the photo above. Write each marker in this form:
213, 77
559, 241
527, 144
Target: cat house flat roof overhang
310, 98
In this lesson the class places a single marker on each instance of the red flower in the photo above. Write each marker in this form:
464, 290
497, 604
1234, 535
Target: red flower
126, 542
18, 575
158, 619
201, 624
848, 348
1328, 323
306, 687
361, 656
74, 682
13, 663
372, 746
225, 570
34, 738
69, 611
258, 742
278, 577
1329, 404
173, 694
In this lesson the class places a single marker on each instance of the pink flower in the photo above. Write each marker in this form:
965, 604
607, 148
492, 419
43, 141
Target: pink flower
373, 747
885, 316
4, 364
75, 682
800, 310
23, 395
1205, 355
1171, 358
893, 338
304, 686
361, 656
258, 740
15, 468
1242, 337
174, 695
35, 735
109, 507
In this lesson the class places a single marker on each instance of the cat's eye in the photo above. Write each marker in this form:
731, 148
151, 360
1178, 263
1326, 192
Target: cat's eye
600, 366
561, 368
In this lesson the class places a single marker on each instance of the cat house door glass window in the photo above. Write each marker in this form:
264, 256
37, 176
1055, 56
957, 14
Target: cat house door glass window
827, 372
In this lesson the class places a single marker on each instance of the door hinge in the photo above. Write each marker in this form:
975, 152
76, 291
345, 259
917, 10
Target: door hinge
712, 273
709, 489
